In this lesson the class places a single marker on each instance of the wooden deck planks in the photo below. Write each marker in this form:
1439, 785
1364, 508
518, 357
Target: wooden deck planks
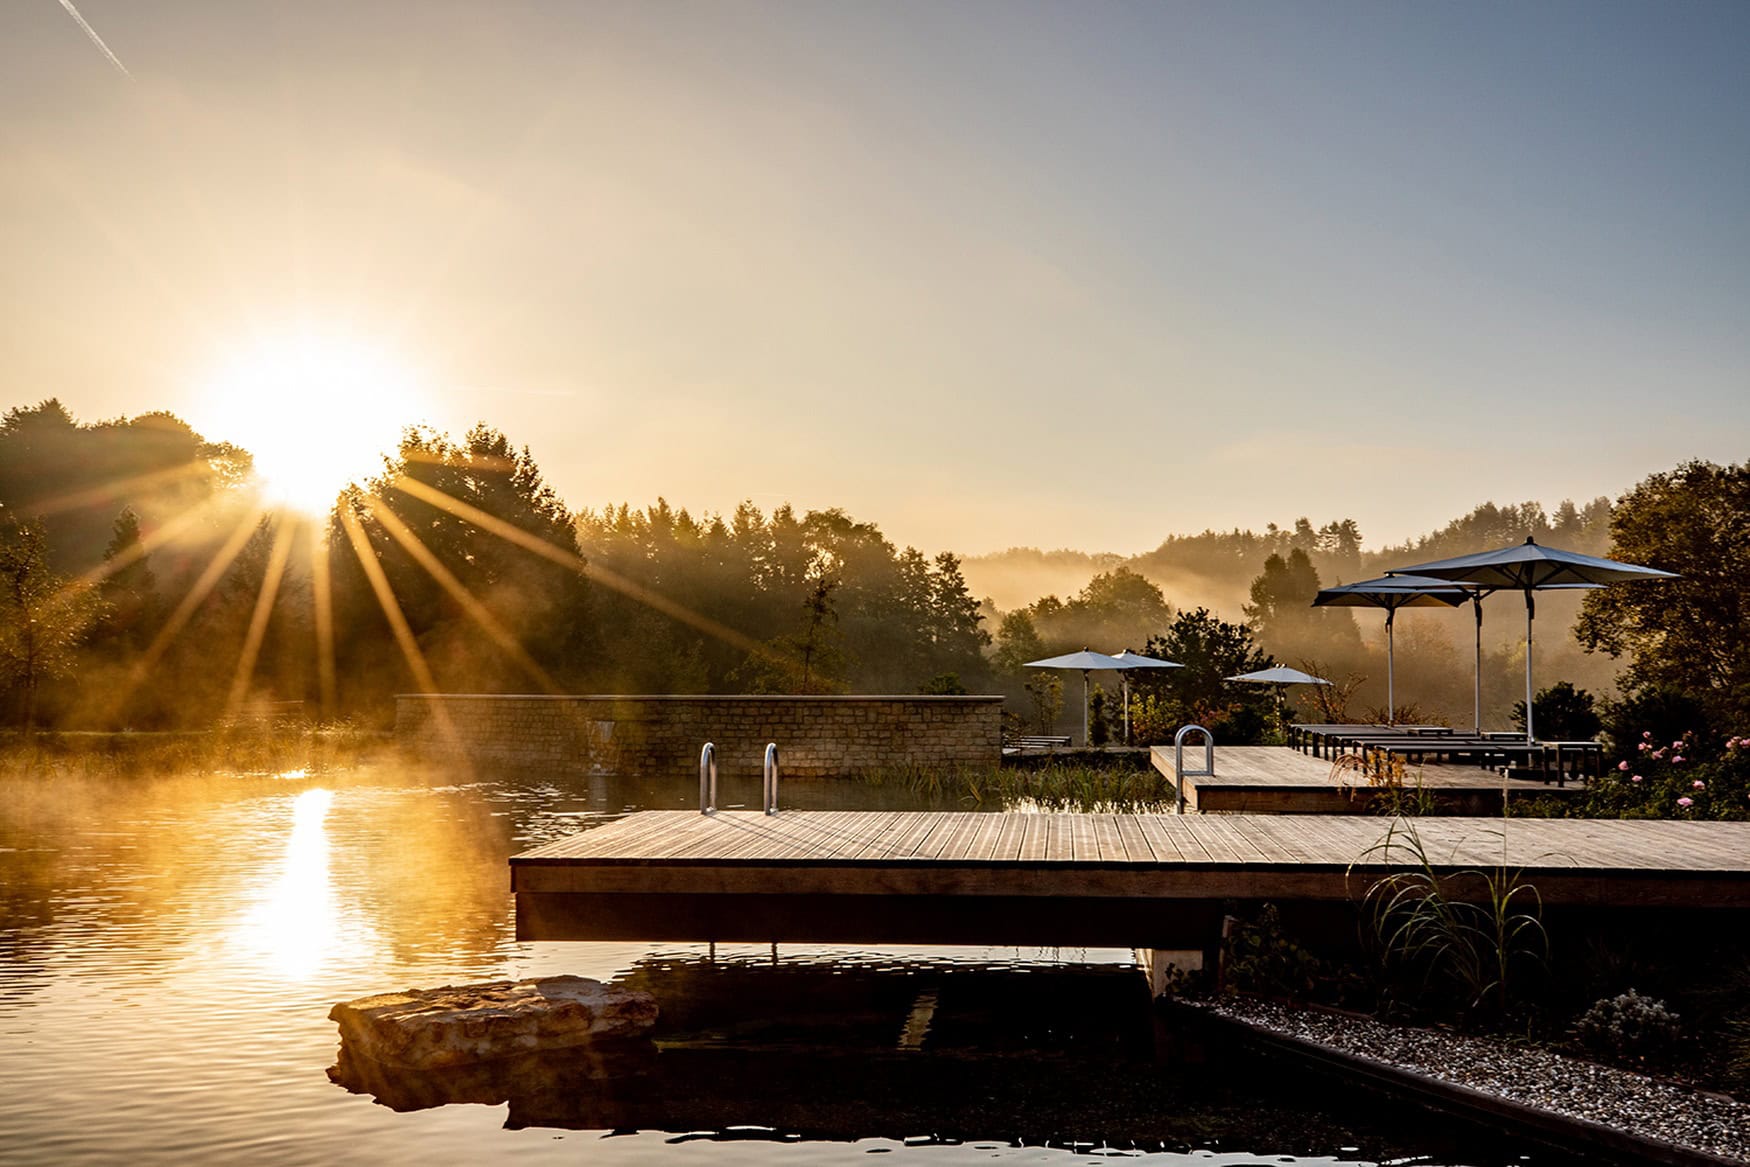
1135, 841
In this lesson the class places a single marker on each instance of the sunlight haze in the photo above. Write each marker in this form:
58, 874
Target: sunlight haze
985, 274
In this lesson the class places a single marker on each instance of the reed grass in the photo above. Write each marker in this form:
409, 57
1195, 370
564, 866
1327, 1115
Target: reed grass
1082, 789
241, 751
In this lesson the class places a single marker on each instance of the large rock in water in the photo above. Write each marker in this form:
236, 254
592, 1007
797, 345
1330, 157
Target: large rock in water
423, 1029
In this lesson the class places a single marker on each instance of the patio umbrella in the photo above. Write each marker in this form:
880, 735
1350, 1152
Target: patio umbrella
1529, 567
1085, 661
1135, 660
1391, 593
1281, 676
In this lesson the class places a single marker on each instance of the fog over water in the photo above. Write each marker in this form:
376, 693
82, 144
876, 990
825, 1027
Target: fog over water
170, 947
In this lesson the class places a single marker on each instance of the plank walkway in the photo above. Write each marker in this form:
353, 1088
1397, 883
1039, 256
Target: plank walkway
970, 877
1278, 780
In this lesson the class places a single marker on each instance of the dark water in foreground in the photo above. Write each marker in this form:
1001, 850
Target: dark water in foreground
169, 950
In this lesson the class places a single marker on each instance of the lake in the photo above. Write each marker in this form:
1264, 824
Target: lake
170, 948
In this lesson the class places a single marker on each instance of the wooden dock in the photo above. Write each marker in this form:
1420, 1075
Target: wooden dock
1066, 879
1278, 780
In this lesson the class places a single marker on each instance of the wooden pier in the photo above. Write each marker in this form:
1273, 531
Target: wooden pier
1276, 780
1067, 879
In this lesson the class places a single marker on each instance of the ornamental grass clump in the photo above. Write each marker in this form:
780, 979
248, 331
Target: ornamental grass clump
1630, 1028
1447, 953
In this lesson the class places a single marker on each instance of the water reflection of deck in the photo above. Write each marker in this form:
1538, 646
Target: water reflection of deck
1065, 879
1277, 780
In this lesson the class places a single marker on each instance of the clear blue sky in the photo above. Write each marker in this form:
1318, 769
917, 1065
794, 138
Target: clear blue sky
1075, 274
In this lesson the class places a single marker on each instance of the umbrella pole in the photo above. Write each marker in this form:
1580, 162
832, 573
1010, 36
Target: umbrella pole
1085, 700
1477, 602
1391, 704
1530, 612
1125, 678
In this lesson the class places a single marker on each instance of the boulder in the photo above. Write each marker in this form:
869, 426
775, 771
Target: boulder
423, 1029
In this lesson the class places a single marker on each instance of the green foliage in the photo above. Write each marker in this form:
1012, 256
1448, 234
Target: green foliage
1017, 642
1099, 717
42, 619
500, 501
1282, 616
1259, 957
1630, 1028
818, 587
1657, 713
943, 685
1065, 787
1210, 650
1045, 699
1437, 948
1685, 634
1117, 608
153, 463
1672, 778
1562, 713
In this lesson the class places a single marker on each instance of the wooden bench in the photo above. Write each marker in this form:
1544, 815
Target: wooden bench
1038, 742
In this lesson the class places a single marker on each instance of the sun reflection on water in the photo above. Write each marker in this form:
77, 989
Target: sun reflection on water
297, 928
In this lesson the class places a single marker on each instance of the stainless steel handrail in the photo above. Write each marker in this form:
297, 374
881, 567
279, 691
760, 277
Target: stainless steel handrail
708, 779
1179, 771
771, 778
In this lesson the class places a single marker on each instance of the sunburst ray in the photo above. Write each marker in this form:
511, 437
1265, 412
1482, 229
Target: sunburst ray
202, 587
322, 600
446, 579
409, 645
264, 600
593, 572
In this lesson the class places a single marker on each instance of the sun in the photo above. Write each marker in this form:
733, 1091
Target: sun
316, 410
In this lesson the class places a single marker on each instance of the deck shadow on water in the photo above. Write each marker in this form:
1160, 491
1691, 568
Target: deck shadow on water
1053, 1055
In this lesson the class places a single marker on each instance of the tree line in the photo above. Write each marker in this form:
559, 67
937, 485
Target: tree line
141, 586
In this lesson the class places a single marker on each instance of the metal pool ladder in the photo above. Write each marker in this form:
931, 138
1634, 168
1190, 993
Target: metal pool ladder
770, 786
1179, 771
708, 779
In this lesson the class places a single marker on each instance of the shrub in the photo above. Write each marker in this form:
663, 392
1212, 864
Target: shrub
1261, 958
1629, 1028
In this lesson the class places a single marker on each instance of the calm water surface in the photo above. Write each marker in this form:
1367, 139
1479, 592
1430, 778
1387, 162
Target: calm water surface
170, 948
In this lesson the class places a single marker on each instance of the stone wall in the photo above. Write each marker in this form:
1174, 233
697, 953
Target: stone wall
817, 737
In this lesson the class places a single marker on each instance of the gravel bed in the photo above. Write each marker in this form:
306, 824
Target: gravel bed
1529, 1075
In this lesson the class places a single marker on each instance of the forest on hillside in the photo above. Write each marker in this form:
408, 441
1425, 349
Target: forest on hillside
145, 586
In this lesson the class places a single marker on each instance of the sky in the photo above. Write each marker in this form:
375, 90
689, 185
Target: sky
987, 274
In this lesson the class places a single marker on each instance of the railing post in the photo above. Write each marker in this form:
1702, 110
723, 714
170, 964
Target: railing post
708, 779
771, 778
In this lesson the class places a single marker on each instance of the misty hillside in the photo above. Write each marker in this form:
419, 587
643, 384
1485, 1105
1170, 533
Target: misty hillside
1215, 569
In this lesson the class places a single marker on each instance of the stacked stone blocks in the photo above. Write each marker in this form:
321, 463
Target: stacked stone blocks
818, 737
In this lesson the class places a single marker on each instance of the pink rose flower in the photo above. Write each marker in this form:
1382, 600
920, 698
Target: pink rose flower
1677, 745
1636, 778
1645, 747
1698, 784
1647, 733
1622, 765
1686, 802
1676, 758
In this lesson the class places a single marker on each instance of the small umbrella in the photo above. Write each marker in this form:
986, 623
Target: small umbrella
1392, 593
1135, 660
1281, 676
1085, 661
1529, 567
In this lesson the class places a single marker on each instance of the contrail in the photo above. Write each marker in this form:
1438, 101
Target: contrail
95, 39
